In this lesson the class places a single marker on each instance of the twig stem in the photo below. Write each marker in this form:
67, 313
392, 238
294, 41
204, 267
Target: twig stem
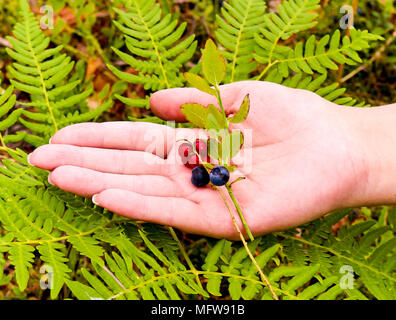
238, 208
261, 273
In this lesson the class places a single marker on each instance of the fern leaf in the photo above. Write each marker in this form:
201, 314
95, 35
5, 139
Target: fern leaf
88, 247
21, 256
240, 21
154, 39
292, 17
313, 57
43, 73
83, 292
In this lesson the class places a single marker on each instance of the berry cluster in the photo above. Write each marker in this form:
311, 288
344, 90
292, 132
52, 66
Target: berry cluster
192, 156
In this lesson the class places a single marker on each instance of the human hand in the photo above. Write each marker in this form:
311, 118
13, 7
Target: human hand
303, 162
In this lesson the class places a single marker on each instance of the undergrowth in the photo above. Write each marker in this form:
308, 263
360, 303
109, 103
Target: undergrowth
91, 253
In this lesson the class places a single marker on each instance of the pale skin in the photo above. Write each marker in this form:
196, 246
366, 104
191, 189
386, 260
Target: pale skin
308, 157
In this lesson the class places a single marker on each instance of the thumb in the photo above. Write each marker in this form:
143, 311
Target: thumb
166, 103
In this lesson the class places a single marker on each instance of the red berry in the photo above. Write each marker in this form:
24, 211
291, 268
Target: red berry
185, 150
201, 147
193, 161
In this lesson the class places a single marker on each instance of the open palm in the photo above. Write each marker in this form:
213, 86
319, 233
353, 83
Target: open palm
296, 160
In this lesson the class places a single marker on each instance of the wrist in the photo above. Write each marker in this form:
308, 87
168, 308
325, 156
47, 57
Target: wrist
373, 151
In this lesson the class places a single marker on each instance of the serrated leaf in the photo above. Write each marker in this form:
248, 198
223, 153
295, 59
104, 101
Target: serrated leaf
213, 63
195, 113
199, 83
242, 112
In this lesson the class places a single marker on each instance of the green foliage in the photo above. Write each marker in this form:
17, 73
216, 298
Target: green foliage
98, 255
153, 38
238, 23
42, 72
313, 56
314, 269
359, 246
293, 17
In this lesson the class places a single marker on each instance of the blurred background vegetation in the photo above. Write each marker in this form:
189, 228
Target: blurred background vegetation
85, 30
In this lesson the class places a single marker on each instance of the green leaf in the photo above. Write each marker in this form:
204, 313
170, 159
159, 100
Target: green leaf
214, 119
231, 143
199, 83
243, 111
22, 257
213, 63
213, 148
213, 256
83, 292
195, 113
213, 285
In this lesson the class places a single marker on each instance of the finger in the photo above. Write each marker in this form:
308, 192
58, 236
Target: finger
51, 156
166, 103
177, 212
86, 182
122, 135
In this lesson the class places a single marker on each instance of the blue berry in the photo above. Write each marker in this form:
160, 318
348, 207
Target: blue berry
219, 176
199, 177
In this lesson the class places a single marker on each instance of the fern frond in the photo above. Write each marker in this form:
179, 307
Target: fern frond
331, 253
44, 73
330, 92
292, 17
53, 253
7, 102
149, 279
236, 29
313, 55
158, 52
35, 219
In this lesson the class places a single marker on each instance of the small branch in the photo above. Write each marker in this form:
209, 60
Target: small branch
236, 180
262, 276
374, 57
185, 255
262, 74
221, 106
114, 277
5, 43
237, 207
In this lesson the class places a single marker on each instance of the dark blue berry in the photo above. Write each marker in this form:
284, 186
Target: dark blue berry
359, 11
219, 175
199, 177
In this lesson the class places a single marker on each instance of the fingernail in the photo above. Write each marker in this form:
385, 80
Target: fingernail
49, 180
28, 160
94, 199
